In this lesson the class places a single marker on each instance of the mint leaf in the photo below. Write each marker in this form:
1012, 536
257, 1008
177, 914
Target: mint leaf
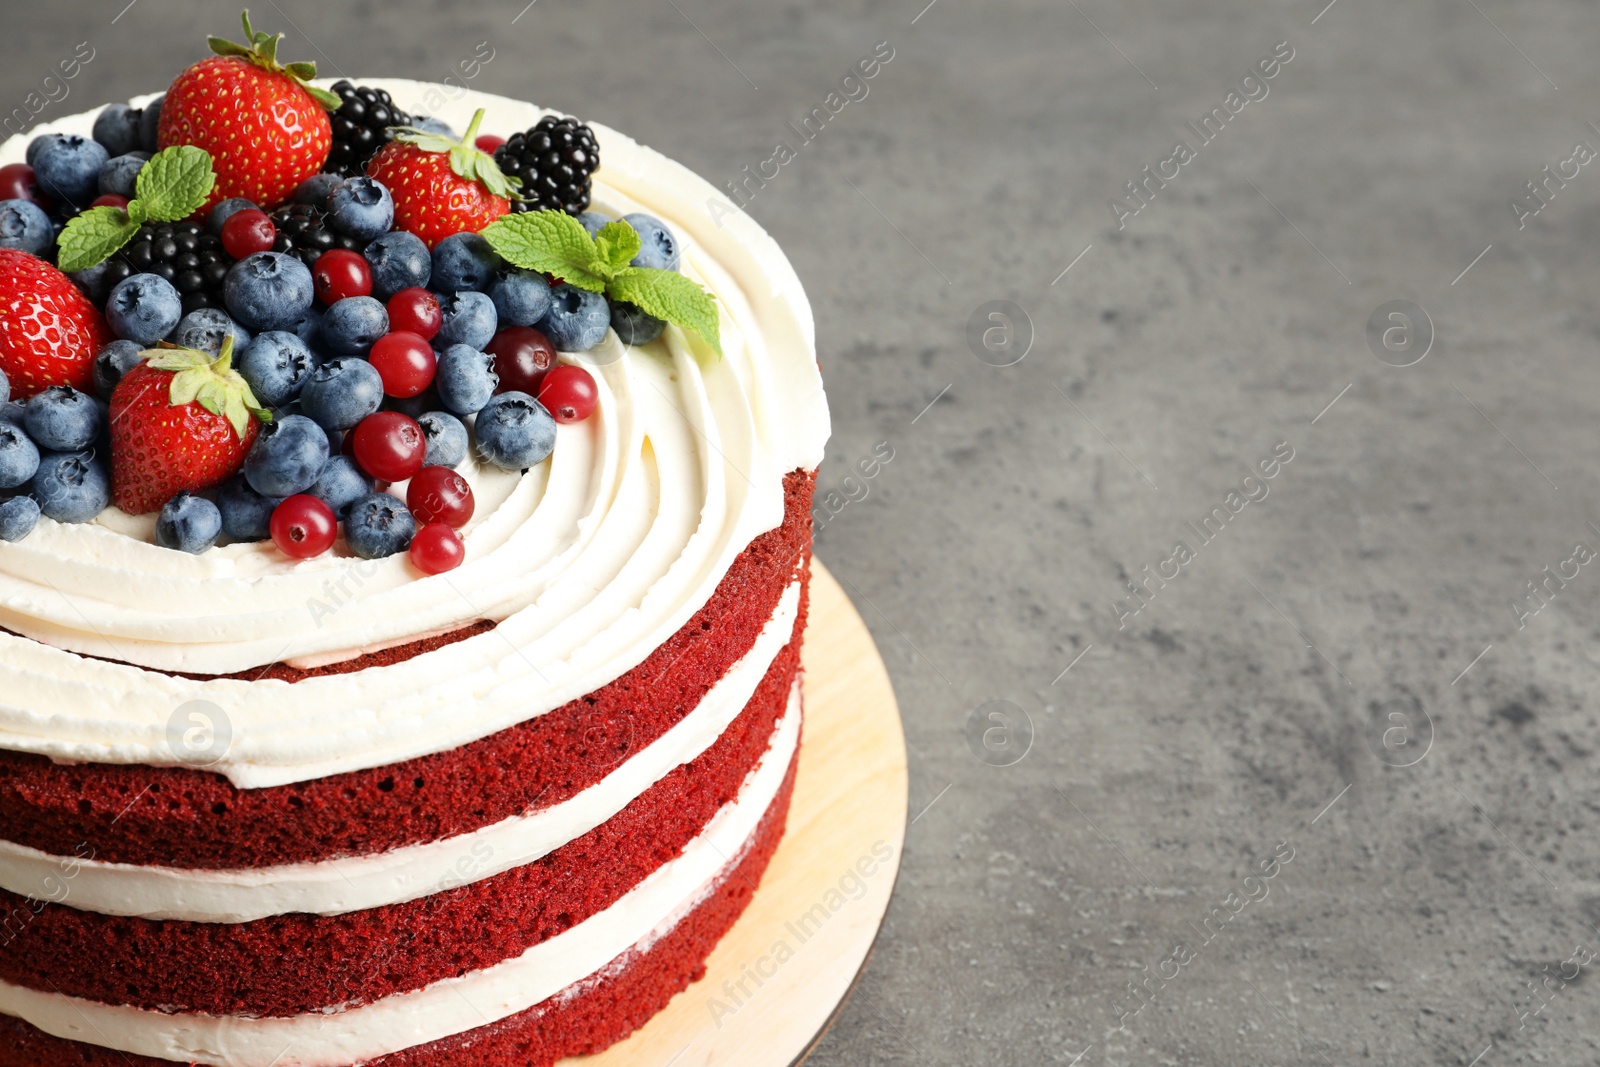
617, 243
668, 295
550, 241
93, 236
175, 182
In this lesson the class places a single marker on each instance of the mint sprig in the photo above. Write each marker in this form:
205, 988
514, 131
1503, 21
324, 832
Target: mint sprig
170, 188
555, 243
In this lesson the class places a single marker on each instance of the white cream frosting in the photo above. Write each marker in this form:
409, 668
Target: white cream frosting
587, 562
647, 913
337, 887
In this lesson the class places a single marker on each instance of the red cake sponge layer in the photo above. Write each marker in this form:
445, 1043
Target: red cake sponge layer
294, 964
181, 817
585, 1018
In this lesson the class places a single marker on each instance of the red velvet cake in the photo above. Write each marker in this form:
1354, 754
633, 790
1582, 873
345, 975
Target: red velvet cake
389, 779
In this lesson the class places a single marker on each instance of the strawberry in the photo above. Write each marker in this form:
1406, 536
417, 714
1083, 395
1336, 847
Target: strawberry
441, 187
180, 420
49, 332
267, 130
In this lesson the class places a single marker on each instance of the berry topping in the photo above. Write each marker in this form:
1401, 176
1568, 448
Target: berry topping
399, 260
522, 355
342, 392
61, 419
415, 310
268, 291
247, 232
303, 526
361, 208
569, 393
110, 200
18, 182
184, 253
489, 142
389, 446
466, 379
143, 309
405, 361
72, 486
303, 230
515, 432
555, 162
447, 439
288, 457
439, 494
442, 186
341, 273
188, 523
49, 332
436, 549
361, 126
379, 525
18, 516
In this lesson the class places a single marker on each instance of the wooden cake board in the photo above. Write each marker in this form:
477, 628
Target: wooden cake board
783, 973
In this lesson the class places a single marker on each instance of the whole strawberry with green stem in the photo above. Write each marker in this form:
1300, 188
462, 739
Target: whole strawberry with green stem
266, 127
180, 420
440, 186
49, 332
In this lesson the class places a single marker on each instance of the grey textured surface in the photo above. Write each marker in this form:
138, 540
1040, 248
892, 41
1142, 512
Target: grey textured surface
1254, 690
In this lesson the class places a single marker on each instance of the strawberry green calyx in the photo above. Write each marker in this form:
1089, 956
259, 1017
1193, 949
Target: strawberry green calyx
263, 52
467, 160
210, 381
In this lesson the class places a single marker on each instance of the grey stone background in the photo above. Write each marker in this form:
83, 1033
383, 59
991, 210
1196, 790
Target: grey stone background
1288, 684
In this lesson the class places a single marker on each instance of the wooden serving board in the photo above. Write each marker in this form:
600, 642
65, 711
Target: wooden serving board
781, 975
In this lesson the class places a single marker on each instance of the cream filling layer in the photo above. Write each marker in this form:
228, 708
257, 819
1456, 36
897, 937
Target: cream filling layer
446, 1008
337, 887
587, 562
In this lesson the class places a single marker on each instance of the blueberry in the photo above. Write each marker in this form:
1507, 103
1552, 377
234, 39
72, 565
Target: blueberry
150, 125
447, 439
117, 128
379, 525
521, 299
93, 282
413, 406
353, 324
659, 247
246, 514
277, 365
399, 260
515, 431
578, 319
342, 392
361, 208
13, 413
120, 175
268, 291
188, 523
468, 319
316, 190
593, 221
340, 485
68, 169
61, 419
144, 308
308, 327
19, 457
72, 486
18, 517
5, 389
39, 144
433, 124
225, 211
287, 458
464, 261
633, 326
204, 329
112, 362
25, 226
466, 379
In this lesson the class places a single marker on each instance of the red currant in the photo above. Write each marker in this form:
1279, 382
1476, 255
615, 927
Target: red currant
339, 272
405, 361
389, 446
489, 142
569, 393
439, 494
416, 310
437, 549
303, 526
110, 200
521, 357
248, 232
18, 183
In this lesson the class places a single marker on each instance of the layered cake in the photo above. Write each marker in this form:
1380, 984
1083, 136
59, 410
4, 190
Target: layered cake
451, 720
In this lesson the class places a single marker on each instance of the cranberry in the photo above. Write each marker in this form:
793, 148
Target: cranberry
109, 200
390, 446
416, 310
489, 142
439, 494
248, 232
303, 526
521, 357
339, 272
404, 360
18, 183
569, 393
437, 549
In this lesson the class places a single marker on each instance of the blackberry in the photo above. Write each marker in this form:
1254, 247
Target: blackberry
304, 231
361, 127
556, 161
183, 253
